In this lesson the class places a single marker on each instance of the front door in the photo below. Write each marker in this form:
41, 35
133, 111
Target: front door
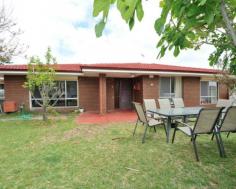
123, 94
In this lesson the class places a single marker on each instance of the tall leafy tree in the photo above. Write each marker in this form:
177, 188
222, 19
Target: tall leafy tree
10, 45
184, 24
41, 78
229, 81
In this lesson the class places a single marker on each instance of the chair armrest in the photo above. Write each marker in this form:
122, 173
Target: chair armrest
217, 126
148, 112
184, 124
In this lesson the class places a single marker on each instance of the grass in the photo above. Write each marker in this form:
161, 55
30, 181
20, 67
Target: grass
63, 154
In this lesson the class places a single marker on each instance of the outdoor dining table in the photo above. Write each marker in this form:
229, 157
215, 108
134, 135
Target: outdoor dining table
173, 113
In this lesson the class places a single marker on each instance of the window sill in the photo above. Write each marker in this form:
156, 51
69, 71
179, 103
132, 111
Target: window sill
56, 107
208, 104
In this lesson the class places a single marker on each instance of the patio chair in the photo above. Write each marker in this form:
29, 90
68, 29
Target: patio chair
164, 103
178, 102
225, 103
228, 123
147, 122
150, 104
205, 124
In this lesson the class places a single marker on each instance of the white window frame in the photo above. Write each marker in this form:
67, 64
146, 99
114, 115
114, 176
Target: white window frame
170, 87
217, 87
3, 91
65, 82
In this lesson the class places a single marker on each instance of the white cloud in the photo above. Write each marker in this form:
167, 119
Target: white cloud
68, 27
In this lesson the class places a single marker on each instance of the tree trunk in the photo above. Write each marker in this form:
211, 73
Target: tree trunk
228, 23
45, 117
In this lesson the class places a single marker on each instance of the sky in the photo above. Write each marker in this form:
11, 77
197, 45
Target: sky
67, 26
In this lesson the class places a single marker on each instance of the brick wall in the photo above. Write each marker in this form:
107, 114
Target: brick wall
223, 92
191, 91
102, 93
89, 93
14, 90
110, 94
138, 90
151, 88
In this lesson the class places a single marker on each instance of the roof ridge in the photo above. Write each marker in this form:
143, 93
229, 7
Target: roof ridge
117, 66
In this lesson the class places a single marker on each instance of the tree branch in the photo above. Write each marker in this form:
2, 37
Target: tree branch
35, 99
228, 22
57, 99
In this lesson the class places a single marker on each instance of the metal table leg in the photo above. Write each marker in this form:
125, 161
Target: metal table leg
168, 129
184, 118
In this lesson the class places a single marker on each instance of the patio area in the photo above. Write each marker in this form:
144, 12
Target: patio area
111, 117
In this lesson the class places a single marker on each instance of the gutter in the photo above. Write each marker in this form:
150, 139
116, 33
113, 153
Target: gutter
147, 72
25, 73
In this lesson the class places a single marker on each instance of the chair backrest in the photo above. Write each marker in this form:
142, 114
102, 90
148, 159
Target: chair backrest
224, 103
150, 104
164, 103
207, 119
233, 99
229, 121
178, 102
140, 112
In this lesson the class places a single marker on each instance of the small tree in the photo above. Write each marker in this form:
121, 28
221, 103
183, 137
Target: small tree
41, 77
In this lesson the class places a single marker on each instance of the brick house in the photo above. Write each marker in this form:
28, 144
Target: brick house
106, 87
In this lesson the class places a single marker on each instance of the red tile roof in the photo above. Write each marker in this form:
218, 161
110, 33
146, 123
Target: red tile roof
13, 67
59, 67
74, 68
149, 67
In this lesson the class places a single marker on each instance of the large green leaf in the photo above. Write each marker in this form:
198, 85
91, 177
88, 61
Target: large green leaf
166, 9
159, 25
162, 52
131, 23
126, 8
139, 10
176, 51
99, 28
160, 42
100, 6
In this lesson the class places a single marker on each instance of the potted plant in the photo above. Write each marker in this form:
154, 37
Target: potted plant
81, 109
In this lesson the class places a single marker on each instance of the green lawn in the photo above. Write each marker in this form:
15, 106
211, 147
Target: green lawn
62, 154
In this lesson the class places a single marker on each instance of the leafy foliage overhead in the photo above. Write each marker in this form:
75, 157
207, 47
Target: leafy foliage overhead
184, 24
130, 9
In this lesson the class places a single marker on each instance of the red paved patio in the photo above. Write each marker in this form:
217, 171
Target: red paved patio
111, 117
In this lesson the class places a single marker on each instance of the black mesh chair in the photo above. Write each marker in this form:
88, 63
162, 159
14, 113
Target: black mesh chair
227, 124
205, 124
144, 120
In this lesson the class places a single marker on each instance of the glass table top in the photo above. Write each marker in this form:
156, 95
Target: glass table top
177, 111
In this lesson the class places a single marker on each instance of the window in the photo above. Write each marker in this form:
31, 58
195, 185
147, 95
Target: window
1, 91
68, 99
167, 87
209, 92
